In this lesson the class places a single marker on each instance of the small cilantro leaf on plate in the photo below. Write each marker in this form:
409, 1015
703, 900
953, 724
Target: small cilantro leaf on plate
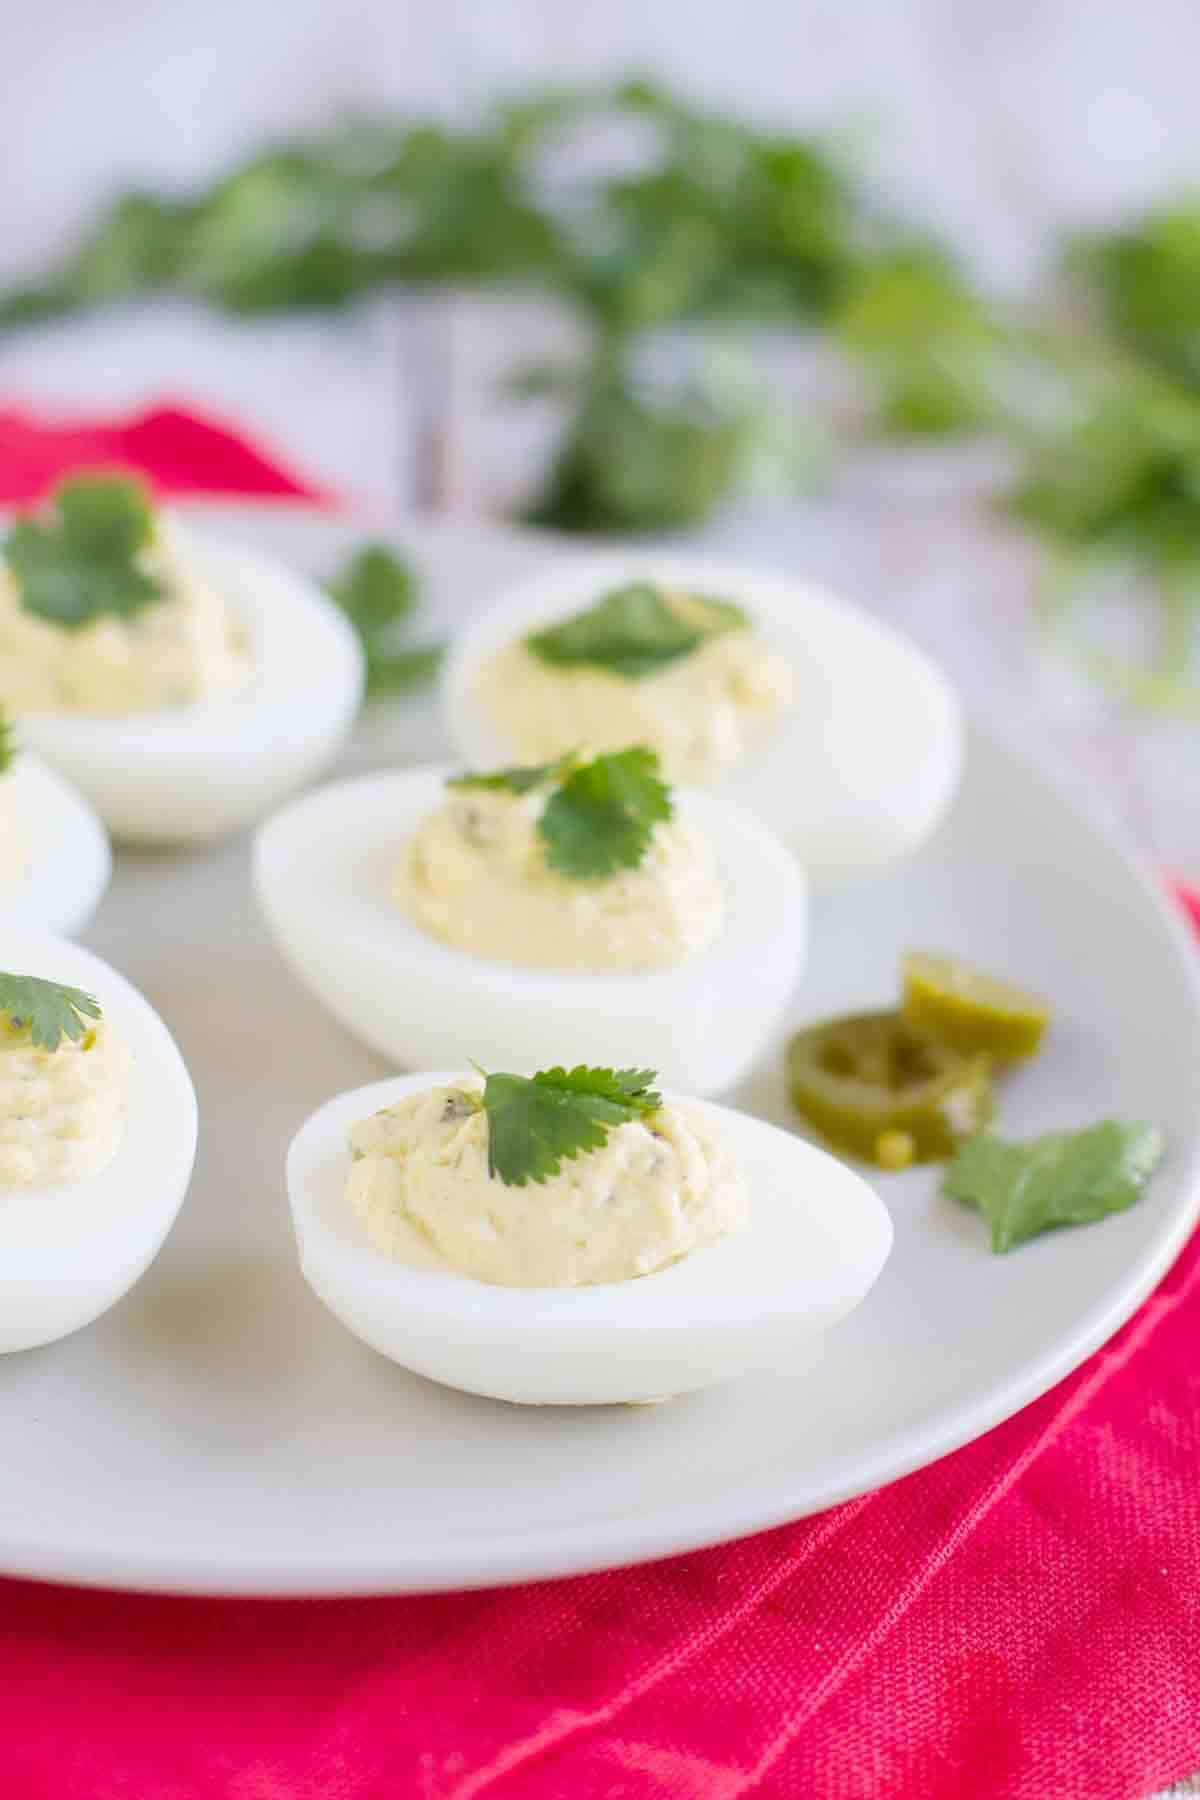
80, 563
633, 632
378, 592
1064, 1178
535, 1123
8, 747
51, 1011
602, 816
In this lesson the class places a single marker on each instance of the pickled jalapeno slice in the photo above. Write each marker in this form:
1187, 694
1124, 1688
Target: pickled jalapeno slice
879, 1089
970, 1010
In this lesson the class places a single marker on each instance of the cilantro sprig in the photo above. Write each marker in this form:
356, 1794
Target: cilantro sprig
1063, 1178
50, 1010
81, 563
536, 1123
600, 816
8, 747
377, 591
633, 632
520, 779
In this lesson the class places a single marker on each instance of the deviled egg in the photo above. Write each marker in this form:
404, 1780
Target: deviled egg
183, 688
795, 704
97, 1137
530, 913
54, 857
574, 1238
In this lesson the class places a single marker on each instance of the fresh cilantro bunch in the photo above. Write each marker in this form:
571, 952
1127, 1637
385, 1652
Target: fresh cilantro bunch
50, 1011
600, 815
81, 563
1144, 282
536, 1123
1064, 1178
377, 591
718, 221
1111, 481
633, 632
926, 338
1117, 467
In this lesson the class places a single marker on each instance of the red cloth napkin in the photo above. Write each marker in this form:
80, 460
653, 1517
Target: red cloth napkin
180, 453
1020, 1620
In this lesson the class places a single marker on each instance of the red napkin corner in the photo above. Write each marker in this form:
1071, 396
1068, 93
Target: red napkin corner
1020, 1621
176, 450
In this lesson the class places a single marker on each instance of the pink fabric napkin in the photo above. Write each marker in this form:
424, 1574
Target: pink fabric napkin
179, 452
1020, 1620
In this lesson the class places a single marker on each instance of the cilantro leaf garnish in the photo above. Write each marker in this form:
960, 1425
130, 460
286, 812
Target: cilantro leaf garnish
1064, 1178
81, 563
602, 817
377, 591
8, 748
537, 1123
519, 780
632, 632
51, 1011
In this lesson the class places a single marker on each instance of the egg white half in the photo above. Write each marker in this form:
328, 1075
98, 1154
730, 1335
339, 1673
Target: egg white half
817, 1242
323, 871
857, 774
199, 772
69, 1252
60, 856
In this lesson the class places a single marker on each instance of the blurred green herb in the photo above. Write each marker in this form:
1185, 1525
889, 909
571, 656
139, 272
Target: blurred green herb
1110, 480
377, 591
652, 219
1143, 283
711, 220
927, 340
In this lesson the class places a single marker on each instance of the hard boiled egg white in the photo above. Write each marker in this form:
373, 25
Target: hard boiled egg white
818, 1238
54, 856
198, 772
324, 869
858, 773
69, 1252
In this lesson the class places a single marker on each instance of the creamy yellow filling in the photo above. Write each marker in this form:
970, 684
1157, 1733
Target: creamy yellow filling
704, 714
475, 876
187, 647
61, 1111
657, 1190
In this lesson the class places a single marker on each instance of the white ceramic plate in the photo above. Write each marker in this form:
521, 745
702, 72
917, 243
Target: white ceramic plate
220, 1431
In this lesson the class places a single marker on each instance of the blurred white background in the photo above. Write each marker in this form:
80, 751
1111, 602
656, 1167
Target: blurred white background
996, 120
